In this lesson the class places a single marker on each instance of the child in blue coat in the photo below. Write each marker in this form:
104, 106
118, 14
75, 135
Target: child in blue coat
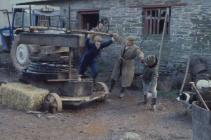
88, 59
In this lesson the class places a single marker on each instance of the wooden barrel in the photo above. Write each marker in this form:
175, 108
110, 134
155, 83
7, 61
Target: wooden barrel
201, 121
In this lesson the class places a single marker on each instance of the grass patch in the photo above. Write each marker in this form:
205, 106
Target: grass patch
170, 95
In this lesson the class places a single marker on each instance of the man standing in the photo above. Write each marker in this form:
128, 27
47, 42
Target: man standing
124, 68
99, 27
149, 81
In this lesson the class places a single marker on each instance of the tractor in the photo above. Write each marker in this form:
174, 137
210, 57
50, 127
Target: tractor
23, 17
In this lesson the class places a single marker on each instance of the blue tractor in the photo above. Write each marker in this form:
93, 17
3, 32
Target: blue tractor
7, 33
23, 18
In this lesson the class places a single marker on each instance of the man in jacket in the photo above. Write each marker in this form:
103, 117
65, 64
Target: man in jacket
88, 58
124, 68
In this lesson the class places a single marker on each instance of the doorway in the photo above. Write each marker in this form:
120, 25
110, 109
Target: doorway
88, 19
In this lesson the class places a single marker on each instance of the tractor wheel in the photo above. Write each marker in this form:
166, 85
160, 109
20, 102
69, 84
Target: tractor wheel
53, 103
20, 54
102, 87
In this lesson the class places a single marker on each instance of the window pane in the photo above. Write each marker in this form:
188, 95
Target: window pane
154, 20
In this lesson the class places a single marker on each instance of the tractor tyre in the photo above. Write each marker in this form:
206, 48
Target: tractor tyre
20, 54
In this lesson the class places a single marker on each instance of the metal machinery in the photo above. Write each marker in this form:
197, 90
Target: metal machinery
48, 57
58, 74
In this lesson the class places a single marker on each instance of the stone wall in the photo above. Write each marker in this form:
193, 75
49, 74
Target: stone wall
190, 28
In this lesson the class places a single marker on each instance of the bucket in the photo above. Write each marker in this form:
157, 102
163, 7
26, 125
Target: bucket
201, 121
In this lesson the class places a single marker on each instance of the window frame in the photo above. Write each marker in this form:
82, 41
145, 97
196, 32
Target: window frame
151, 21
84, 12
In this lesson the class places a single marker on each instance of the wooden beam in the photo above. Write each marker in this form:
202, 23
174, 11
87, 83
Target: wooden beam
89, 11
88, 32
200, 96
162, 41
69, 80
158, 5
69, 31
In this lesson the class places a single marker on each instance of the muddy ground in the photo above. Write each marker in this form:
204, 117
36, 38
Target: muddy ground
115, 119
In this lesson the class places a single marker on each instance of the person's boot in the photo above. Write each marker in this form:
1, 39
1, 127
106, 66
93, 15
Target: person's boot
112, 85
94, 81
153, 104
144, 102
79, 78
122, 92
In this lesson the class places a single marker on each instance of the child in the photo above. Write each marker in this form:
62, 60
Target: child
149, 81
88, 58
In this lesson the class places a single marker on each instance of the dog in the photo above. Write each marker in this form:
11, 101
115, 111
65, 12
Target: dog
187, 98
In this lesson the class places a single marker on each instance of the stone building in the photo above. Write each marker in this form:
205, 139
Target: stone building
188, 29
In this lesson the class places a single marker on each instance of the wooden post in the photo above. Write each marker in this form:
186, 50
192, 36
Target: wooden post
70, 62
69, 16
200, 97
162, 40
30, 15
186, 74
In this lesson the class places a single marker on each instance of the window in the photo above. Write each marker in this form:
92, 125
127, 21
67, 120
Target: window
154, 20
43, 20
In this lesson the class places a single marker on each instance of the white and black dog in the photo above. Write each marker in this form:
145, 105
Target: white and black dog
189, 97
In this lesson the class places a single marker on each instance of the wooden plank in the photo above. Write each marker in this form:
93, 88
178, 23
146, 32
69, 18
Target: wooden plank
162, 42
44, 39
158, 5
200, 96
158, 26
70, 63
87, 32
75, 99
154, 26
168, 24
186, 74
145, 22
150, 24
156, 23
84, 98
159, 16
68, 31
69, 80
88, 11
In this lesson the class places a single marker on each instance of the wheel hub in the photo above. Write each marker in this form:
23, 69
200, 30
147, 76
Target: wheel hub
22, 54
